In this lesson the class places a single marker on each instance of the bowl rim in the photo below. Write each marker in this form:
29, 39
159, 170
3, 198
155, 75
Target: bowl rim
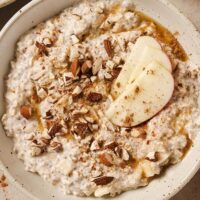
32, 4
6, 3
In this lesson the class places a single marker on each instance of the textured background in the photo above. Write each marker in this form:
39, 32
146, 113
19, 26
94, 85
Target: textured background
191, 8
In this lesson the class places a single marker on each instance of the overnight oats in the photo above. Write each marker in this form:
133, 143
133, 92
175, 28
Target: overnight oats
100, 99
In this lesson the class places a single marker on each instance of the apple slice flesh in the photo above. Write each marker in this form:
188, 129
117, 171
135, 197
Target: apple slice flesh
139, 46
132, 62
144, 98
149, 55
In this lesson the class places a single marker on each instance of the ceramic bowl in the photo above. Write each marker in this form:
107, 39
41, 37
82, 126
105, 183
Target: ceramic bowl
5, 2
32, 185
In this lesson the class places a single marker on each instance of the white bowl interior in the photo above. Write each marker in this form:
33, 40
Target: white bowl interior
39, 10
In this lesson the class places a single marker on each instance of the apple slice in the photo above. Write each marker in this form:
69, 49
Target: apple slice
144, 98
149, 55
132, 62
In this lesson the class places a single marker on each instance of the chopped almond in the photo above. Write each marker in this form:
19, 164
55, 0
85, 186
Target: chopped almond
155, 159
26, 111
95, 97
75, 67
42, 48
81, 129
54, 129
105, 159
111, 145
87, 65
104, 180
116, 72
108, 47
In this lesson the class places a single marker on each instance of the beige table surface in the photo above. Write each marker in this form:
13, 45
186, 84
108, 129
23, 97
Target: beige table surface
191, 8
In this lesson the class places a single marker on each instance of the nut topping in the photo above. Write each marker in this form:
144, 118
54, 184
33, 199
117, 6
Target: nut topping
89, 119
75, 39
94, 146
108, 47
48, 42
48, 115
105, 159
56, 146
75, 67
122, 153
54, 129
125, 155
68, 78
104, 180
93, 127
26, 111
45, 141
97, 66
80, 111
81, 129
95, 97
42, 48
87, 65
108, 76
118, 151
77, 91
110, 145
153, 157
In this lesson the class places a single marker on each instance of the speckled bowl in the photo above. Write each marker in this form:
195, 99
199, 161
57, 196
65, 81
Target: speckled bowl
31, 185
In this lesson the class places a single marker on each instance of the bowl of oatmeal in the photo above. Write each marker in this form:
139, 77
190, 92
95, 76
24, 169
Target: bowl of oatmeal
101, 99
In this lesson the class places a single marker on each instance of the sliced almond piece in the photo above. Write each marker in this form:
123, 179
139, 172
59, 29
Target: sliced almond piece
97, 66
42, 48
56, 146
110, 145
75, 67
103, 180
125, 155
105, 159
77, 91
26, 111
153, 156
108, 47
54, 129
81, 129
75, 39
87, 65
95, 97
94, 146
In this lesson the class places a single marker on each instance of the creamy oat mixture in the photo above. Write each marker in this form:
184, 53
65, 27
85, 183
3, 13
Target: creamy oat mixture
59, 88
